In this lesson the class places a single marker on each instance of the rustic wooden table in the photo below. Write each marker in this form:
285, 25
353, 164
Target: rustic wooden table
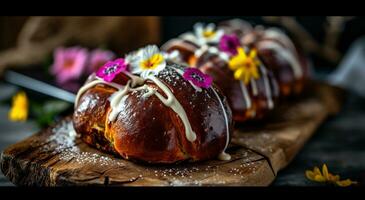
339, 143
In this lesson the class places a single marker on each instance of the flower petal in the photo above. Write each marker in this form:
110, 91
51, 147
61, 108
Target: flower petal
333, 178
309, 174
319, 178
345, 183
238, 73
141, 61
229, 44
325, 171
253, 53
317, 171
210, 27
19, 107
241, 52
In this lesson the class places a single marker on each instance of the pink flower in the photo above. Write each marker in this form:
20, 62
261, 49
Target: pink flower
229, 44
111, 69
68, 63
197, 77
98, 58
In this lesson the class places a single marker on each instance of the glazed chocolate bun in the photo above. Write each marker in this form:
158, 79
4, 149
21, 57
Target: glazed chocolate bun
250, 99
185, 49
277, 51
165, 116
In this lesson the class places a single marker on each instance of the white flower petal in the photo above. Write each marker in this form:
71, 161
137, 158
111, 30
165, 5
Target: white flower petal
219, 33
210, 27
149, 51
142, 55
199, 29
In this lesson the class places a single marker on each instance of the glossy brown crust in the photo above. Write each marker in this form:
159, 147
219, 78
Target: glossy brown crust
217, 68
185, 48
147, 130
223, 77
288, 83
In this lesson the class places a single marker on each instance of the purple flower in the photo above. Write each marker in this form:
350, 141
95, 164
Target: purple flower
229, 44
98, 58
111, 69
197, 77
69, 63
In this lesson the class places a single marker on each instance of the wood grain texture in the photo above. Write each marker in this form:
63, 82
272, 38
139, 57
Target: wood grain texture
57, 157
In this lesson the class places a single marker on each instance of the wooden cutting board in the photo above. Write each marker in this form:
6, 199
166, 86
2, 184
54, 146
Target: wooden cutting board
57, 157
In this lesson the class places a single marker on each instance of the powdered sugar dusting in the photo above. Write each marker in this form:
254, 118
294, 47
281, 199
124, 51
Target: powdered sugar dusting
64, 142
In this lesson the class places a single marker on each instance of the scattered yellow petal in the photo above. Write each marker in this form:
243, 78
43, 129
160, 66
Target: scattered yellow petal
19, 107
319, 178
333, 178
345, 183
325, 176
309, 174
317, 171
325, 171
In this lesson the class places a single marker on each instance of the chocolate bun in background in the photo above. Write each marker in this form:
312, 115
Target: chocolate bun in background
248, 101
277, 51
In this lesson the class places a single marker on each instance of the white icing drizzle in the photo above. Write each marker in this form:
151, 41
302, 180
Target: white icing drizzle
116, 102
175, 105
245, 94
189, 37
135, 80
216, 51
149, 93
84, 88
213, 50
223, 155
254, 87
286, 54
277, 34
118, 98
171, 43
267, 87
201, 51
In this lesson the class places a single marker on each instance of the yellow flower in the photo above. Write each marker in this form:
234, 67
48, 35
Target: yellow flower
19, 108
152, 62
209, 33
146, 61
324, 176
245, 66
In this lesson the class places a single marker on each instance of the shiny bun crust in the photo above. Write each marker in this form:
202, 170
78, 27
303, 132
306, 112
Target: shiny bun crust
148, 130
282, 72
248, 102
252, 101
282, 56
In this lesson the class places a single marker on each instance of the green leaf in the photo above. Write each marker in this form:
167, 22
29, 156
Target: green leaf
46, 113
